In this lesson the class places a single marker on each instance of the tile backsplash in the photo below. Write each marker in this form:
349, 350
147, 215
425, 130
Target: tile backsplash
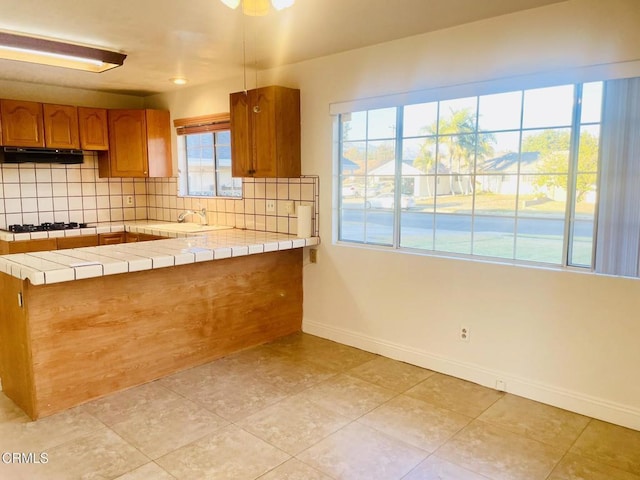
249, 212
37, 193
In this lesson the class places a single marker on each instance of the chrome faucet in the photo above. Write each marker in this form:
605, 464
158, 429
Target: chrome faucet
202, 213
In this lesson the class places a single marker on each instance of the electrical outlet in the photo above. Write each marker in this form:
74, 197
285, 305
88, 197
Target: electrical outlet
313, 255
129, 200
271, 206
290, 207
464, 333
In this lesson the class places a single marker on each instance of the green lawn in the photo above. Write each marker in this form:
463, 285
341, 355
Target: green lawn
492, 204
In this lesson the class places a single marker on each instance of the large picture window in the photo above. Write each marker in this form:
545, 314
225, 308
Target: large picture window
511, 175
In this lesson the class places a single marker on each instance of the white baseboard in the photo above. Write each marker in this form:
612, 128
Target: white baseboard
551, 395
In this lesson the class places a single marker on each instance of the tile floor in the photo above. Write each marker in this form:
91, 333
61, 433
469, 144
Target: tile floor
304, 408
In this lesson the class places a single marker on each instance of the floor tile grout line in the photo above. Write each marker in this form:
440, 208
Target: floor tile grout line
568, 451
594, 459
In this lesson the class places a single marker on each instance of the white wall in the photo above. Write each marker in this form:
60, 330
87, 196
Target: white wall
563, 337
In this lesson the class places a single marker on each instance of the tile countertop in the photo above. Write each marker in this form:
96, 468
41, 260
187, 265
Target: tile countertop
78, 263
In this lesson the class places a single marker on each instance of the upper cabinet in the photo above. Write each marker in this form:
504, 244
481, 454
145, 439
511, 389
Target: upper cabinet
22, 123
139, 144
61, 126
94, 132
265, 132
32, 124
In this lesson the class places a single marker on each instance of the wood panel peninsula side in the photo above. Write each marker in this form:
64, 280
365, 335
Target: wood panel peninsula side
63, 344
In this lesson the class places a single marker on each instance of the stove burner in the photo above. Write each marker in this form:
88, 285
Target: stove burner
46, 226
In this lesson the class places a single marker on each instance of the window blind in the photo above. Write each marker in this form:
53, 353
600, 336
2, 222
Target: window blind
201, 124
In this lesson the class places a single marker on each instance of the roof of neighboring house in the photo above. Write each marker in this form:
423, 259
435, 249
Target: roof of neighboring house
508, 163
347, 164
389, 168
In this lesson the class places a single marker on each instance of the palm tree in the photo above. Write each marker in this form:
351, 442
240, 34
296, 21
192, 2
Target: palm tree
457, 133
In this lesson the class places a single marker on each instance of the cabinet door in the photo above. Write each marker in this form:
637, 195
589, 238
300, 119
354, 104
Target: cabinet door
77, 241
112, 238
61, 126
288, 150
159, 143
262, 112
128, 143
22, 123
241, 150
94, 133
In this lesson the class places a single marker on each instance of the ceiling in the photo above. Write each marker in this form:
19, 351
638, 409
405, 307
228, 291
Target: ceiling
202, 40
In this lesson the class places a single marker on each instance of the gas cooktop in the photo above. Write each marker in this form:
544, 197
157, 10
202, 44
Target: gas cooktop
45, 227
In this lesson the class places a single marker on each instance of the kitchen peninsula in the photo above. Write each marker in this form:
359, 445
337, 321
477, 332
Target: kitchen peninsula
81, 323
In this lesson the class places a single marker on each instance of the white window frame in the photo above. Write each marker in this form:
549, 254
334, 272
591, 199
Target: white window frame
399, 101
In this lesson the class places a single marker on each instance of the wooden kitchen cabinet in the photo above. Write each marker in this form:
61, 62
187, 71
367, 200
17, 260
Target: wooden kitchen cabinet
265, 132
60, 126
93, 128
22, 123
133, 237
139, 144
32, 124
77, 242
113, 238
26, 246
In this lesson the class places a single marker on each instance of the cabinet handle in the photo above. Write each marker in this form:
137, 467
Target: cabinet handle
256, 109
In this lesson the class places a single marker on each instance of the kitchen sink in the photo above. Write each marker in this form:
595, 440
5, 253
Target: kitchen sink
184, 227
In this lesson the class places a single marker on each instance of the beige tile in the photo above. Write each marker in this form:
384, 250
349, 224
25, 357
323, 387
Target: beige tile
357, 452
125, 405
150, 471
415, 422
293, 424
610, 444
232, 393
454, 394
294, 470
164, 427
391, 374
535, 420
286, 373
101, 455
347, 396
230, 454
47, 432
291, 376
321, 352
575, 467
499, 454
435, 468
10, 412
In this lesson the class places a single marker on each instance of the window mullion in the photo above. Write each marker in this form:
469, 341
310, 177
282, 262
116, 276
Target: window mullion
574, 147
397, 210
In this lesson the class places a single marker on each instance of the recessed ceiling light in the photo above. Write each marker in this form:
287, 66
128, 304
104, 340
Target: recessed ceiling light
179, 80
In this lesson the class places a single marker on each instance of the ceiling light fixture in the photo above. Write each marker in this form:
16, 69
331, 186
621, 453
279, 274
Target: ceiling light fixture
179, 80
258, 8
57, 54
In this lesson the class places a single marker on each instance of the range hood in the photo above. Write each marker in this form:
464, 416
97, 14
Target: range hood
40, 155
